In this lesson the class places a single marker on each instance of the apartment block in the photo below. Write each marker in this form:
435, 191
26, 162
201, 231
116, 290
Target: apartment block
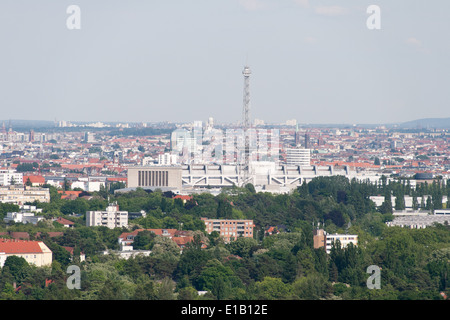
112, 217
8, 177
344, 239
22, 194
324, 240
229, 229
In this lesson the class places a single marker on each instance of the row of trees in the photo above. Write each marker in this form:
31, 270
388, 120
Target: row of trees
414, 263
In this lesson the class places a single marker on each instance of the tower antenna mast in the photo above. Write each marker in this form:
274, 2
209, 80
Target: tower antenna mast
246, 123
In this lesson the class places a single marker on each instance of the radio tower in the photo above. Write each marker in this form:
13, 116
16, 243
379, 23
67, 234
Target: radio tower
246, 124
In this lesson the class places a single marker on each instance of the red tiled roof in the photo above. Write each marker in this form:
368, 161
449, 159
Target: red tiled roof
182, 241
70, 194
182, 197
64, 221
117, 179
159, 232
69, 249
19, 246
34, 179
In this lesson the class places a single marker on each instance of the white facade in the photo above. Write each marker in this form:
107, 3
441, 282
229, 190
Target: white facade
20, 194
111, 217
167, 159
22, 217
344, 239
147, 161
298, 157
34, 252
88, 185
419, 222
7, 175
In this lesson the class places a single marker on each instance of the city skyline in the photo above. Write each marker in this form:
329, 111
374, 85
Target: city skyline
316, 62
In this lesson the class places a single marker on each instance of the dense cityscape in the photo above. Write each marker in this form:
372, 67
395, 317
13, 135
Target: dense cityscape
224, 158
133, 202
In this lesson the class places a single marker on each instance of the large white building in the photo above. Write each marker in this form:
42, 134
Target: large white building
167, 159
8, 176
154, 176
22, 217
419, 222
22, 194
111, 217
89, 184
344, 239
322, 239
298, 157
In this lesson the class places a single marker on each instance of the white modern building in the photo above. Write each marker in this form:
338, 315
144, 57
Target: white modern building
298, 157
8, 177
419, 222
21, 194
22, 217
167, 159
111, 217
344, 239
89, 184
442, 211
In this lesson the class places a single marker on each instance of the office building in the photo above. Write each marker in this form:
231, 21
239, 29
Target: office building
298, 157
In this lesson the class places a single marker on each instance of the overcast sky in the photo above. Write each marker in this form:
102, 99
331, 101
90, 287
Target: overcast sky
173, 60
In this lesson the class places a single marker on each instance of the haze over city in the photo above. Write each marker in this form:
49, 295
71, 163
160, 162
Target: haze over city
314, 61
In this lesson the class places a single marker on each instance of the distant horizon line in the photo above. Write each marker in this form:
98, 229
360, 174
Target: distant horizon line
352, 124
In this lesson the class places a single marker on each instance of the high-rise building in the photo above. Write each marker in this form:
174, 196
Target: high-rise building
297, 136
167, 159
110, 218
9, 177
307, 141
183, 141
298, 157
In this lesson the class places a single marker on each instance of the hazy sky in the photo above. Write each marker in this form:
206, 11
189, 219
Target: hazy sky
155, 60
